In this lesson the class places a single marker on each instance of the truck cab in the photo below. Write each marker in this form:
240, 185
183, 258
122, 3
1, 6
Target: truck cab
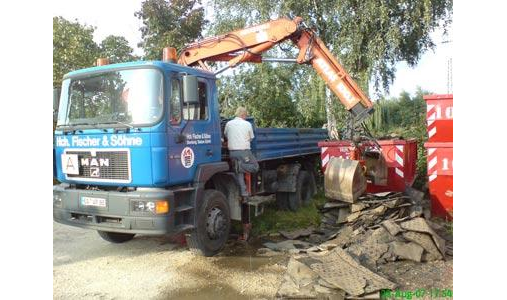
123, 135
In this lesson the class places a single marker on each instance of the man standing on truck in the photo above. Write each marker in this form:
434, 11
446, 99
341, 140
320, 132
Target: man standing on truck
239, 134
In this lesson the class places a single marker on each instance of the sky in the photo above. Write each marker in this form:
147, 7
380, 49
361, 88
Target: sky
116, 17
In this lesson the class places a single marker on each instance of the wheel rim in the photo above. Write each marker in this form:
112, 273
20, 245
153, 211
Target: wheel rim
216, 224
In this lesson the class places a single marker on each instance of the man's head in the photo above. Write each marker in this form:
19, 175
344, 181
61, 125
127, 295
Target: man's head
241, 112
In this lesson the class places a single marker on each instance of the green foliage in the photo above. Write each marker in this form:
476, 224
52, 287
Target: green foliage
116, 49
404, 116
274, 220
264, 91
73, 48
169, 23
369, 37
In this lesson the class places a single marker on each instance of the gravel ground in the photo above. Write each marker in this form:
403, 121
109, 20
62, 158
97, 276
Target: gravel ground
87, 267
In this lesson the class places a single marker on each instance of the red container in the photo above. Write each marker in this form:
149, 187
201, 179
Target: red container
440, 166
400, 157
439, 117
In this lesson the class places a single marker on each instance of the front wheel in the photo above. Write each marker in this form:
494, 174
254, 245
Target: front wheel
116, 237
213, 225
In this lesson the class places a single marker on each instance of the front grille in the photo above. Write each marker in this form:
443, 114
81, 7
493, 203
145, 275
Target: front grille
104, 166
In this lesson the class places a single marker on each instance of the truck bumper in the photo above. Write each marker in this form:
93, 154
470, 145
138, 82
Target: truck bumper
117, 215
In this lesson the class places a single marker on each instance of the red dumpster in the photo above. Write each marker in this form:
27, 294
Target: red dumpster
400, 157
439, 117
440, 166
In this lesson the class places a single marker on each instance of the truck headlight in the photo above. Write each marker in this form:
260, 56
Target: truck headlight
57, 200
155, 207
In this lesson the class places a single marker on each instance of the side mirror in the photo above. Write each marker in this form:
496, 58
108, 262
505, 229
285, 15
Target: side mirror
56, 102
190, 93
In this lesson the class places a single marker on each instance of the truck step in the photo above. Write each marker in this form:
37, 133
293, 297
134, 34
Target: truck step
184, 227
183, 208
185, 189
257, 203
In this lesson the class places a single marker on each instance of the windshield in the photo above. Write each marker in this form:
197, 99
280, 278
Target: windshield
132, 97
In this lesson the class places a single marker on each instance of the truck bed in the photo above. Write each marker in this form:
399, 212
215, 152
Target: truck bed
276, 143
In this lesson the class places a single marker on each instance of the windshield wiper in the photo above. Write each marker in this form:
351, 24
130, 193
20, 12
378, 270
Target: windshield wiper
118, 122
72, 126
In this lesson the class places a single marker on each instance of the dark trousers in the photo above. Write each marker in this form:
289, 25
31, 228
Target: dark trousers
245, 162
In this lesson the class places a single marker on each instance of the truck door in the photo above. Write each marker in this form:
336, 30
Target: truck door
194, 132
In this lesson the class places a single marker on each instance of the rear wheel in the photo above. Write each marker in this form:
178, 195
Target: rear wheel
213, 225
115, 237
303, 193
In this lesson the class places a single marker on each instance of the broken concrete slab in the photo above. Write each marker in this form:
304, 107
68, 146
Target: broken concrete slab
415, 211
420, 225
358, 207
393, 203
329, 293
287, 245
343, 214
371, 247
316, 238
292, 235
392, 227
353, 216
300, 273
410, 251
380, 210
339, 269
342, 238
425, 241
382, 195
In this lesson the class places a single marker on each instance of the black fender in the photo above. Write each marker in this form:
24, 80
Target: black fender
204, 172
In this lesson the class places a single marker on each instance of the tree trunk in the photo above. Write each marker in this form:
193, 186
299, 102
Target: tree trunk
332, 131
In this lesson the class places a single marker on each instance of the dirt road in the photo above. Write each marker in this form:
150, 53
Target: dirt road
85, 266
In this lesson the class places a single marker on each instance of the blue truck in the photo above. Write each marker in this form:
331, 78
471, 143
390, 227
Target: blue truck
134, 157
139, 146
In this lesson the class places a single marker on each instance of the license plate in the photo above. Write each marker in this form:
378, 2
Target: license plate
89, 201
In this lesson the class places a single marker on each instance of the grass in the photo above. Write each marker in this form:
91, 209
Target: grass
274, 220
448, 227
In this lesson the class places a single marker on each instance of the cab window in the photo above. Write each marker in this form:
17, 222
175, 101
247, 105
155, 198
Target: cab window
198, 111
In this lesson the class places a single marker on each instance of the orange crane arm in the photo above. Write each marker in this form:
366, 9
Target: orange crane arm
247, 45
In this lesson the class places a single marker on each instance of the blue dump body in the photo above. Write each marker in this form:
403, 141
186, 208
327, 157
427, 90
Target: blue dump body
276, 143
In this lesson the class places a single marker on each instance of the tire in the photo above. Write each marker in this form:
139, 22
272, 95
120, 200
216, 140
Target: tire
116, 237
303, 193
213, 225
282, 200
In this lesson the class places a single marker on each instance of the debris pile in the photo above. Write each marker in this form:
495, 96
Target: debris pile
341, 256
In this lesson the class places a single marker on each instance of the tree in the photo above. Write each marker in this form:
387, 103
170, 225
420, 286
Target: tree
73, 47
270, 104
368, 37
169, 23
116, 49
